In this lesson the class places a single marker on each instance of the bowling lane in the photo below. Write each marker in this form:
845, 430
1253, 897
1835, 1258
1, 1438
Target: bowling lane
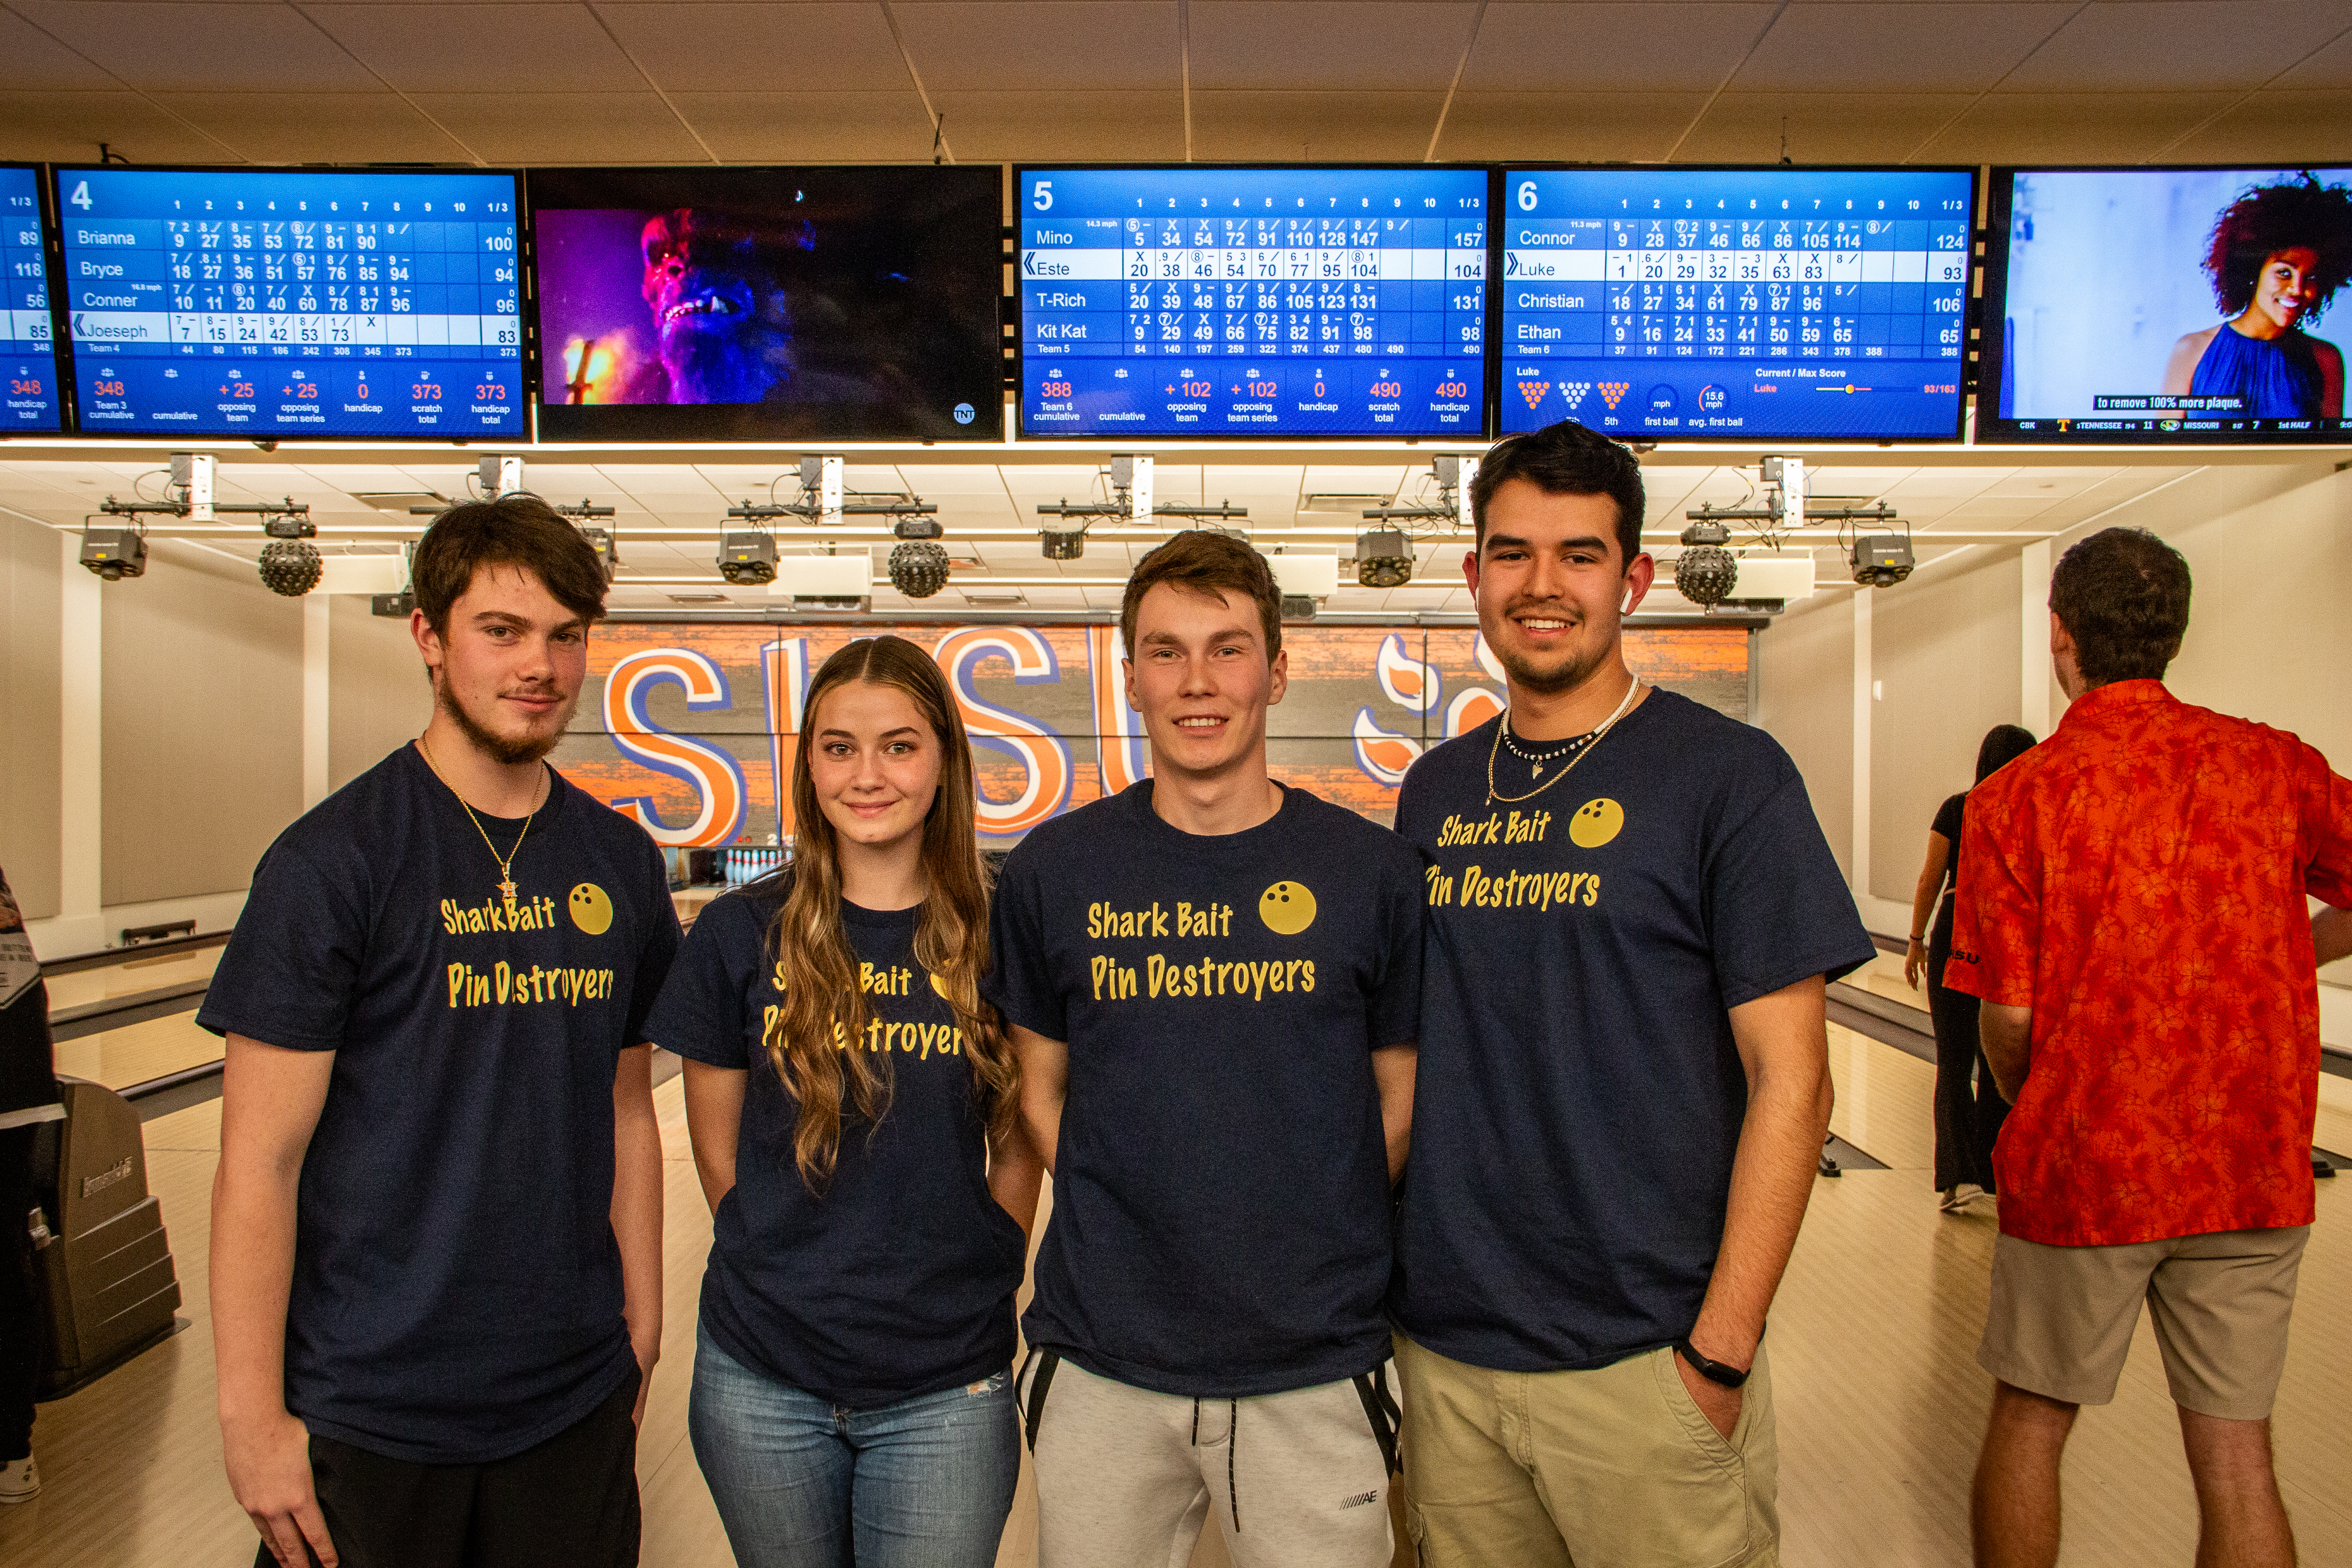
82, 986
136, 1053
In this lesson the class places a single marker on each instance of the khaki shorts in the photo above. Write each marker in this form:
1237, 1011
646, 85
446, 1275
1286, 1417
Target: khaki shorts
2062, 1317
1613, 1467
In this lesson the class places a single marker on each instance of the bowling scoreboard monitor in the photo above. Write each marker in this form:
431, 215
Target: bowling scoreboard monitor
1692, 304
1194, 300
273, 304
29, 354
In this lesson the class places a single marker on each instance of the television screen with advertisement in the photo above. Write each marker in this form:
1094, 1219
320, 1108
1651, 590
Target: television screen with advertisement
757, 304
1664, 304
2165, 305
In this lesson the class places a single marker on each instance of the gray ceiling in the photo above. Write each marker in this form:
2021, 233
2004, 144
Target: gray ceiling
821, 80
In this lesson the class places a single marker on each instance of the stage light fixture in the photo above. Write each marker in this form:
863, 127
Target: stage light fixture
1706, 573
392, 606
608, 553
918, 528
1298, 606
114, 554
290, 566
1881, 559
748, 559
1062, 543
1383, 558
919, 569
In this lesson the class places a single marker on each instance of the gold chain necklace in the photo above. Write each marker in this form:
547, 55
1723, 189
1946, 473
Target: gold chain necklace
507, 889
1493, 798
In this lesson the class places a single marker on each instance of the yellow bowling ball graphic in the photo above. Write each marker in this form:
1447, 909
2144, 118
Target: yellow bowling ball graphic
1286, 908
1596, 822
592, 911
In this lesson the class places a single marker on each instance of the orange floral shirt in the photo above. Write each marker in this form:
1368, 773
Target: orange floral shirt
2140, 880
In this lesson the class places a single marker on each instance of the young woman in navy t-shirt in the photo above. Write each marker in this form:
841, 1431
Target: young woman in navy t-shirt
852, 1102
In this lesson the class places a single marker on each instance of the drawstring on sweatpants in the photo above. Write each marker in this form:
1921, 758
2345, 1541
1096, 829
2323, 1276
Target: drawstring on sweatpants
1232, 1443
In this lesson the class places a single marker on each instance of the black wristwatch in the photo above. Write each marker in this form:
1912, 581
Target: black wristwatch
1714, 1372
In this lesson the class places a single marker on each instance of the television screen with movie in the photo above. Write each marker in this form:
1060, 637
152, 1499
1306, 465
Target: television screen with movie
2166, 305
762, 304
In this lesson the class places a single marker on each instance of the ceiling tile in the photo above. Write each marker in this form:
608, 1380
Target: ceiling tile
2145, 45
1747, 127
2305, 125
2329, 65
1605, 126
1313, 127
31, 58
2069, 128
200, 46
808, 127
1034, 126
1614, 47
521, 47
68, 126
687, 46
318, 128
996, 45
1326, 45
551, 128
1891, 48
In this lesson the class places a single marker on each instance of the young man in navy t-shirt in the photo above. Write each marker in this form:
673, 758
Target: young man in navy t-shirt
1624, 1079
1213, 983
437, 1271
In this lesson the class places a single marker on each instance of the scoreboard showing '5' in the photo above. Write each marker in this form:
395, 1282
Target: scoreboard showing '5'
269, 304
1199, 300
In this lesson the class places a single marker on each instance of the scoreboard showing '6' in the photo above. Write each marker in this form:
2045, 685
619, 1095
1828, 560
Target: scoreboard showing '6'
1692, 303
268, 303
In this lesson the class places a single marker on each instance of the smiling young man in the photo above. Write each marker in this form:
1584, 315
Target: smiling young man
440, 1163
1624, 1079
1213, 982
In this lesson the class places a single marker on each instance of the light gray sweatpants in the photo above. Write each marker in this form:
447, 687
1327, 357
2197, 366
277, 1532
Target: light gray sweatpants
1125, 1477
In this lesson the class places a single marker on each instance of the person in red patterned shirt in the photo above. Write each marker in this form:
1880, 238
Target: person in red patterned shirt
2134, 912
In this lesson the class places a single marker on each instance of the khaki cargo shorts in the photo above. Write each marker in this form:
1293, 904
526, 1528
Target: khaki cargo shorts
2062, 1317
1611, 1467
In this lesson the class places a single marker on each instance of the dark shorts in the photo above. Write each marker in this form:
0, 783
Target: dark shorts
571, 1503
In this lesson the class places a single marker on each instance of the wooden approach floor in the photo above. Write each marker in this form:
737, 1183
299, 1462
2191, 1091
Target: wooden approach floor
1874, 1339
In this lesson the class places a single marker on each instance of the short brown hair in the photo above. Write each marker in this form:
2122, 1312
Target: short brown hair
1198, 561
2123, 595
1566, 459
512, 531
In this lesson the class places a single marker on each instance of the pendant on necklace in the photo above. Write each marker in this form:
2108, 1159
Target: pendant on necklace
507, 892
1538, 770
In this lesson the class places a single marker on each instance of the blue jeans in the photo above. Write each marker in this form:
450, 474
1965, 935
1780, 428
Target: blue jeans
803, 1483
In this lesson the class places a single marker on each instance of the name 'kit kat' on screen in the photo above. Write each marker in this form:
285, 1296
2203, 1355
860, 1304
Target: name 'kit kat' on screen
271, 304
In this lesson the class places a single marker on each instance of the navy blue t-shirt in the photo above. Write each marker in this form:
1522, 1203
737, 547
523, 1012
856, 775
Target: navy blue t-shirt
1579, 1095
457, 1291
1221, 1195
896, 1279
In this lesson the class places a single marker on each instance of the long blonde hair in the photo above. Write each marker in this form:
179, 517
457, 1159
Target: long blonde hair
823, 1008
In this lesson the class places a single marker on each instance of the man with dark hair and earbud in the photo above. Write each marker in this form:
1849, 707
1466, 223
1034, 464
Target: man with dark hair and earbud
2133, 910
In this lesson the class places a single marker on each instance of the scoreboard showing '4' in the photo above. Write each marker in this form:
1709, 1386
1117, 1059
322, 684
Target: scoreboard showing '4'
1200, 301
222, 302
1665, 303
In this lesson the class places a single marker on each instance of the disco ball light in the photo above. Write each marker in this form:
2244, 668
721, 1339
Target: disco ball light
1705, 573
289, 566
918, 570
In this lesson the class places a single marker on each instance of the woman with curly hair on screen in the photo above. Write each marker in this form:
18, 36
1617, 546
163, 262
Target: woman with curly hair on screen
2276, 256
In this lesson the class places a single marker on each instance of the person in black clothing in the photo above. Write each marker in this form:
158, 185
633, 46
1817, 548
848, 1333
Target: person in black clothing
28, 1097
1968, 1108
